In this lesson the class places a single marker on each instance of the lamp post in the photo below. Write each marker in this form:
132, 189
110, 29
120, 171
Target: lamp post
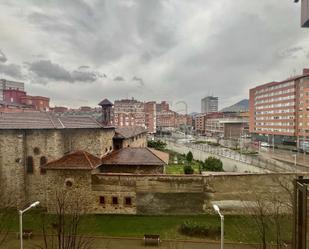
217, 209
21, 221
295, 160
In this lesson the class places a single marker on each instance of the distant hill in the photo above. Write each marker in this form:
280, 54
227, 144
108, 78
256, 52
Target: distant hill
241, 106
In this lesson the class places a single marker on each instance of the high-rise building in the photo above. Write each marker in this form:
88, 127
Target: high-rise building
10, 85
209, 104
279, 111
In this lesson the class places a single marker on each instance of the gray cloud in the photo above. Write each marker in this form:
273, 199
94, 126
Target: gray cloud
47, 69
139, 80
289, 52
118, 78
53, 71
2, 57
11, 70
83, 67
182, 49
84, 76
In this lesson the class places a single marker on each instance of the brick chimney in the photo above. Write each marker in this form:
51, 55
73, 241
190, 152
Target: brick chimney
306, 71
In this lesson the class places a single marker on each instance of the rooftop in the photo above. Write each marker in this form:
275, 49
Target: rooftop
136, 156
105, 102
128, 132
44, 120
75, 160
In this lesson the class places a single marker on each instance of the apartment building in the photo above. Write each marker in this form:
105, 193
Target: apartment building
129, 112
199, 123
209, 104
20, 97
279, 111
10, 85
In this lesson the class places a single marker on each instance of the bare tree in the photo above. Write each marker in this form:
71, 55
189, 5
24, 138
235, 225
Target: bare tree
66, 226
267, 210
4, 218
6, 214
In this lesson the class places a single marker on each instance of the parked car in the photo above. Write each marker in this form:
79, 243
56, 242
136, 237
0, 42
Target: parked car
300, 150
265, 144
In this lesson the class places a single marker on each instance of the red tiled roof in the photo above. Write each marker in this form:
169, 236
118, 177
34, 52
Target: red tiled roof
129, 131
75, 160
136, 156
44, 120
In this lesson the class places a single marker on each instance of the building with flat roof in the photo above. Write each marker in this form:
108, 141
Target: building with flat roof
9, 84
279, 111
209, 104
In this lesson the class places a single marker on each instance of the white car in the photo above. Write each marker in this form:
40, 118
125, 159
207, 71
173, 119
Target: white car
264, 144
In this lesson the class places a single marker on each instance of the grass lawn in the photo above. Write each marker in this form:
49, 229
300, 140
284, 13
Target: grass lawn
237, 228
177, 168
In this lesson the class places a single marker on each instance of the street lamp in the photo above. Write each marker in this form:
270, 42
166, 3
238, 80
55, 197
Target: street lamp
217, 209
295, 160
21, 221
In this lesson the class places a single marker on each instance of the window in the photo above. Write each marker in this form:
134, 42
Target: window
43, 161
68, 183
128, 201
29, 165
115, 200
102, 200
36, 151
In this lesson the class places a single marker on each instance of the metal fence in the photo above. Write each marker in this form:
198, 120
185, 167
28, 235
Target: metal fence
253, 160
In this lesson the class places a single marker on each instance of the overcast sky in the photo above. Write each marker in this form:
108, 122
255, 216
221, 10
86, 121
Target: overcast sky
79, 52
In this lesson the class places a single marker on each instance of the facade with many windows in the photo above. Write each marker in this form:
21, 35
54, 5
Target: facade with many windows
280, 109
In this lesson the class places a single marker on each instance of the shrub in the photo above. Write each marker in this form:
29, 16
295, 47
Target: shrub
156, 144
212, 143
212, 164
190, 228
189, 157
188, 170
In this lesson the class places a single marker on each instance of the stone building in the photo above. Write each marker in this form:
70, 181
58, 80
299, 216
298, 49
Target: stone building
80, 172
134, 136
30, 139
135, 161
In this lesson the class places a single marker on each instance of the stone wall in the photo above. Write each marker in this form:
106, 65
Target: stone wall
139, 141
57, 183
164, 194
12, 180
21, 188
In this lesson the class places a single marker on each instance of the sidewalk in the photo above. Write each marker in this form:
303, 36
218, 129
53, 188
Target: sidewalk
137, 243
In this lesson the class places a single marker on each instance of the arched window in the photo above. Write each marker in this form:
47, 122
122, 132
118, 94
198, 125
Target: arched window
29, 165
43, 161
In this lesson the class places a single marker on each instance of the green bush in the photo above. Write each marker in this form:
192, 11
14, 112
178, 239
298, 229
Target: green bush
156, 144
190, 228
188, 170
212, 164
213, 143
189, 157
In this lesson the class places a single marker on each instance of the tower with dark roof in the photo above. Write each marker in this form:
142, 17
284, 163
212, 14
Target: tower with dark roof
106, 111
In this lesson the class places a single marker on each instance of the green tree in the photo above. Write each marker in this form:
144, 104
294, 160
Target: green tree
189, 157
212, 164
156, 144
